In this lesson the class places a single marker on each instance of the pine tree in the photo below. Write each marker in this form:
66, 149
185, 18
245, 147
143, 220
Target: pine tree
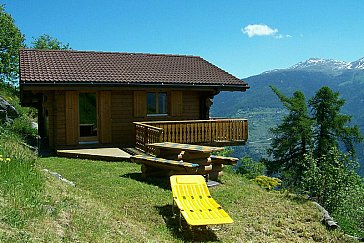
331, 127
292, 138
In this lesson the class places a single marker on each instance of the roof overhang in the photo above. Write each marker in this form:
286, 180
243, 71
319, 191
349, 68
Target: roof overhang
38, 86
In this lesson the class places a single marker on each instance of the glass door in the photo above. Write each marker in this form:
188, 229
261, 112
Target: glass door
88, 118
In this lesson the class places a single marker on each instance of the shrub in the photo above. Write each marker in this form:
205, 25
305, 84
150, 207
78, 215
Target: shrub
267, 182
226, 152
350, 214
23, 126
329, 178
250, 168
332, 180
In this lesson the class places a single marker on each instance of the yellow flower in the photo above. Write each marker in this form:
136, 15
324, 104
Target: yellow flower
1, 159
7, 159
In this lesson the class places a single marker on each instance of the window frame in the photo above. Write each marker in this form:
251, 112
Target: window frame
156, 93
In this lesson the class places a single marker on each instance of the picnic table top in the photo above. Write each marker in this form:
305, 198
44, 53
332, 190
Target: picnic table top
185, 147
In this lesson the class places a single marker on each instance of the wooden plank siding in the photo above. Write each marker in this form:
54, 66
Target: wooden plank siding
122, 116
191, 105
117, 111
59, 118
72, 120
183, 105
176, 103
48, 107
104, 117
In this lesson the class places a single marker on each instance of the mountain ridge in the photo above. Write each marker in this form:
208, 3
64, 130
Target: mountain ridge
322, 65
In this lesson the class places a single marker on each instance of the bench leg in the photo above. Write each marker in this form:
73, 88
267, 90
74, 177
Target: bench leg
214, 176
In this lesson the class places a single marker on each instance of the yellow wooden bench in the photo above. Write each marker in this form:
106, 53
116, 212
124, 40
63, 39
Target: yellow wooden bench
192, 197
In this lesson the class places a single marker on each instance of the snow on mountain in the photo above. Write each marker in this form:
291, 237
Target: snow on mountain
359, 64
325, 64
334, 67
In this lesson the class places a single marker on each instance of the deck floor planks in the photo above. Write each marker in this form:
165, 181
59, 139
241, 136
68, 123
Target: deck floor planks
108, 154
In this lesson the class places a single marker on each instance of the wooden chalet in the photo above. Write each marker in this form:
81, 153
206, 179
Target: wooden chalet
126, 99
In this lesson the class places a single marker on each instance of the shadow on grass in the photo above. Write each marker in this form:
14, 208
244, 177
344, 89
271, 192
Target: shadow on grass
184, 232
299, 199
162, 182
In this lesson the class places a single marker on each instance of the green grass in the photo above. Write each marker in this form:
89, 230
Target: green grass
20, 182
112, 203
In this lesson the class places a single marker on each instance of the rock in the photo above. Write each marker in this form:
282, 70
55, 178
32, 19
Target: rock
7, 112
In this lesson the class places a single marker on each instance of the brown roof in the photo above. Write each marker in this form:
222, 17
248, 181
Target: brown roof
74, 67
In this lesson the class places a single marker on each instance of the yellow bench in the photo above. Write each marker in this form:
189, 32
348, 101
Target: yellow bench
192, 197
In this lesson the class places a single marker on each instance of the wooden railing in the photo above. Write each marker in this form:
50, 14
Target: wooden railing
145, 134
210, 132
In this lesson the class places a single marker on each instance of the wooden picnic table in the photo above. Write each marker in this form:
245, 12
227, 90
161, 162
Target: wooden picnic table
168, 149
196, 154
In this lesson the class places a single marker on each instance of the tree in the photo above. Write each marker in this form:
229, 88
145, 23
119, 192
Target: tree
331, 127
50, 43
11, 40
292, 138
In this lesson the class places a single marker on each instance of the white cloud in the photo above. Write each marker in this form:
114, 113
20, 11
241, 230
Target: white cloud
280, 36
259, 30
262, 30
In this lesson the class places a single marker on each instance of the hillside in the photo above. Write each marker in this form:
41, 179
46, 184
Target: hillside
307, 76
112, 203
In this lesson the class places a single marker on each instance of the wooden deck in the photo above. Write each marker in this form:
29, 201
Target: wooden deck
107, 154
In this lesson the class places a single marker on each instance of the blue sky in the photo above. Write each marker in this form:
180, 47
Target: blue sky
242, 37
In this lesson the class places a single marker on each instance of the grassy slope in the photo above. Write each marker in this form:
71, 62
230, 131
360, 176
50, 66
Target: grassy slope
112, 203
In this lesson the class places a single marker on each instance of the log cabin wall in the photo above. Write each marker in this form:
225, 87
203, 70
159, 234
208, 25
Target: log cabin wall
57, 124
130, 106
125, 108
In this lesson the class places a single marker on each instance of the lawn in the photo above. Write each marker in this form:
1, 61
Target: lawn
112, 203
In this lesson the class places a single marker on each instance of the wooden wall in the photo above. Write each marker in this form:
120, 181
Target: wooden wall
116, 121
123, 112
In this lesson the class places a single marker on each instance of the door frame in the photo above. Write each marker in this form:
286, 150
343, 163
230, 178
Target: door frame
89, 139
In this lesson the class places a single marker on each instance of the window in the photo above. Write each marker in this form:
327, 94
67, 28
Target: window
157, 103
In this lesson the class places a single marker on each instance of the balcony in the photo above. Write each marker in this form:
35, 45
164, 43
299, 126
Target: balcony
214, 132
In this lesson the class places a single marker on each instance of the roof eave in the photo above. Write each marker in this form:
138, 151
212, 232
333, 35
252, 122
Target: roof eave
71, 85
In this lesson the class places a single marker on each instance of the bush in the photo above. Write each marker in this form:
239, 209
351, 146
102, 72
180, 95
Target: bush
250, 168
332, 180
351, 213
267, 182
23, 126
329, 178
226, 152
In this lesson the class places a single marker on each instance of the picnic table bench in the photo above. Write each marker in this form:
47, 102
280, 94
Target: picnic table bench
176, 158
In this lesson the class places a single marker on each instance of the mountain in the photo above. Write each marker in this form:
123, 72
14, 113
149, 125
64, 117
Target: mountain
264, 110
326, 65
